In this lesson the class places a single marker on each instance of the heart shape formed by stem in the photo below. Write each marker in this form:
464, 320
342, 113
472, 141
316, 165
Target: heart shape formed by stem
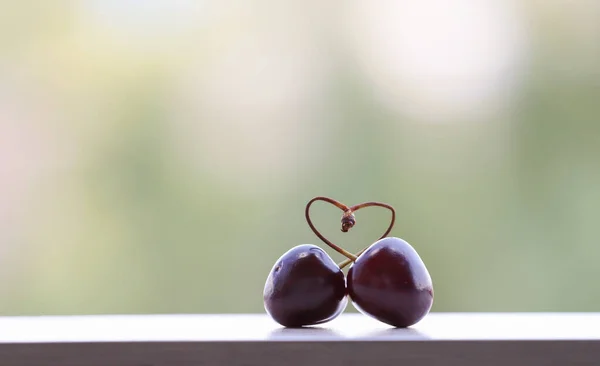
348, 221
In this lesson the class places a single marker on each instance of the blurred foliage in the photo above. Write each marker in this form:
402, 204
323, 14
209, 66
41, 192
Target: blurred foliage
149, 166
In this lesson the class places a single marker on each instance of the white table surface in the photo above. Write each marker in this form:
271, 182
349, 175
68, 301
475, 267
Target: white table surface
260, 328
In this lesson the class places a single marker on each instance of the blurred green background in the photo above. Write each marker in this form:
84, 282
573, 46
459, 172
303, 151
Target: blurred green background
156, 156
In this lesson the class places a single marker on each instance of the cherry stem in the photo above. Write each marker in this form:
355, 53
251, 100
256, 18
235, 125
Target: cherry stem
348, 221
392, 222
347, 261
339, 205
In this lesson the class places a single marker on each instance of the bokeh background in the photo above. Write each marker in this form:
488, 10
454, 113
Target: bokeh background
156, 156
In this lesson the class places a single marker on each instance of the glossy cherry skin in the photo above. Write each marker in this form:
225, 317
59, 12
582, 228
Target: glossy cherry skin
390, 283
305, 287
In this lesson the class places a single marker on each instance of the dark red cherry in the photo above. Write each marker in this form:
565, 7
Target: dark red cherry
390, 283
305, 287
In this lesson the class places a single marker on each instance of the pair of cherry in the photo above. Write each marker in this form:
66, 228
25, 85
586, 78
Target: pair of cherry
387, 280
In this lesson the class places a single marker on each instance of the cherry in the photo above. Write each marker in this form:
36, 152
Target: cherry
305, 287
390, 283
388, 280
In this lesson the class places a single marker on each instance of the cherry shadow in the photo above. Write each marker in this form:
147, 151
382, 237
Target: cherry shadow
397, 334
304, 333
